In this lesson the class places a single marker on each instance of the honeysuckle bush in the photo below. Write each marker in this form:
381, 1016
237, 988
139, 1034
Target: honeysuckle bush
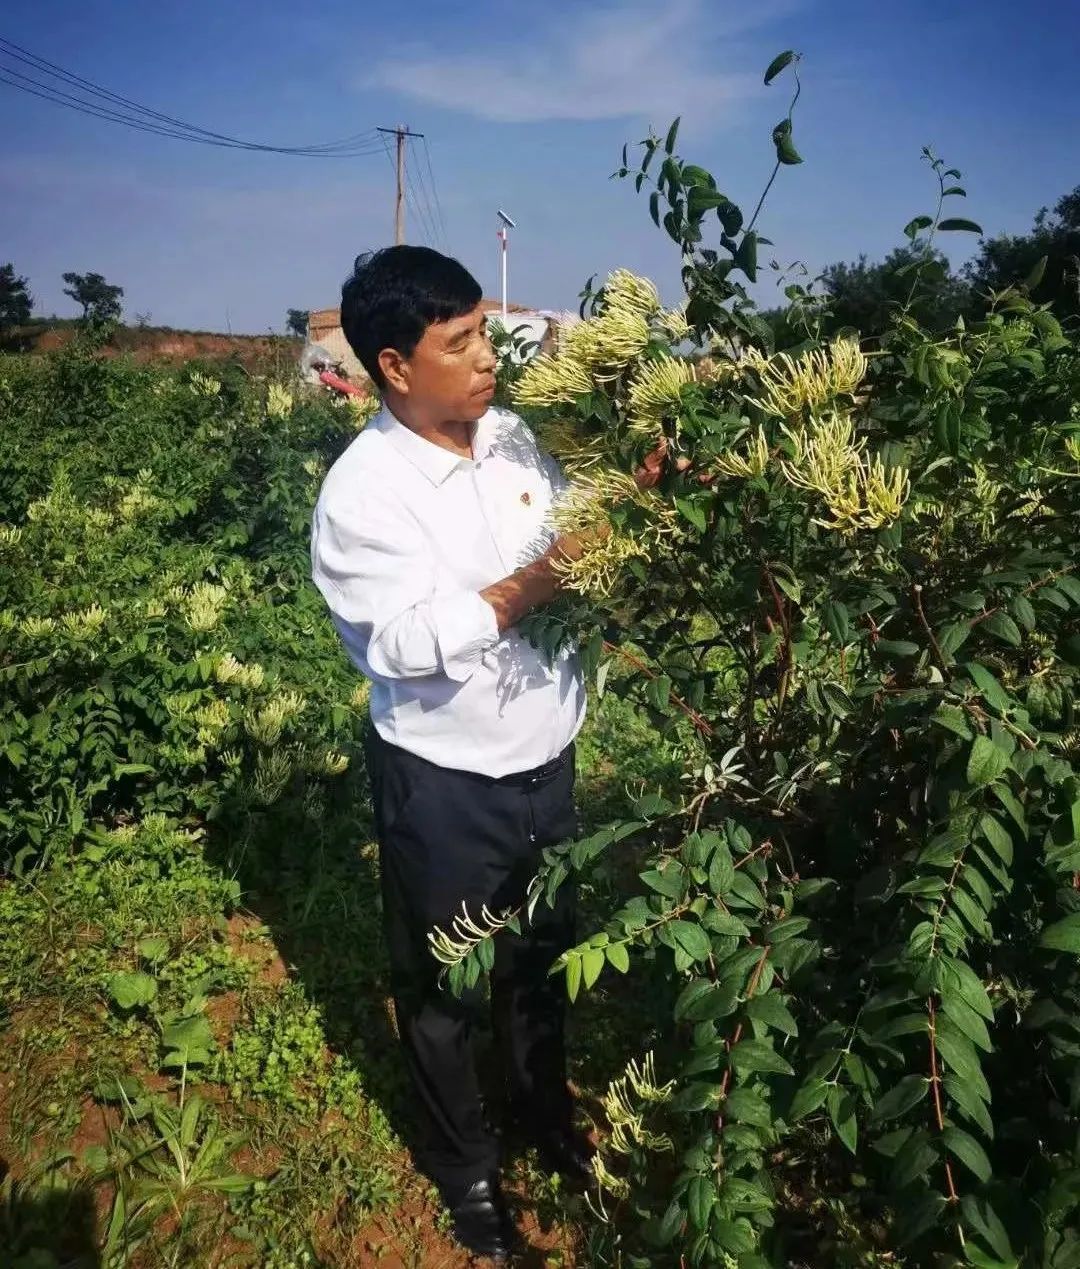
853, 598
161, 652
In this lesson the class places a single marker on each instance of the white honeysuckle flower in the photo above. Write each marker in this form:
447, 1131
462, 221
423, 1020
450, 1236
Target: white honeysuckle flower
279, 401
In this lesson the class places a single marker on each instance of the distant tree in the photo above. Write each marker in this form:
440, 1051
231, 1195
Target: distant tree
1007, 259
100, 301
866, 295
16, 302
296, 322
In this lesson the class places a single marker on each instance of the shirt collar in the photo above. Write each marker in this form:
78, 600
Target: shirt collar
431, 460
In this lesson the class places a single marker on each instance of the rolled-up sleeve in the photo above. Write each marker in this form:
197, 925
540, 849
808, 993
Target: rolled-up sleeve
371, 564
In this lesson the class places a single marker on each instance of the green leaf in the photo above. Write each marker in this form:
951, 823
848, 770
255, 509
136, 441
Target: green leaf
771, 1010
958, 1053
702, 1001
837, 621
786, 929
897, 647
988, 685
842, 1113
968, 1021
700, 1198
837, 699
618, 956
1002, 627
980, 1259
746, 890
953, 637
778, 63
809, 1097
914, 1159
960, 976
1009, 801
954, 719
959, 224
1070, 586
984, 1220
965, 1099
1063, 935
914, 227
721, 922
670, 1224
721, 870
658, 693
649, 805
573, 975
746, 255
785, 147
692, 939
1022, 610
131, 990
748, 1107
921, 1215
756, 1055
998, 836
692, 510
188, 1036
485, 954
673, 132
701, 200
900, 1097
669, 882
964, 1146
695, 1096
152, 949
985, 762
592, 962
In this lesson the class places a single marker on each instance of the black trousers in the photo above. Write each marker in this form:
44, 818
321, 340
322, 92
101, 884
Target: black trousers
448, 837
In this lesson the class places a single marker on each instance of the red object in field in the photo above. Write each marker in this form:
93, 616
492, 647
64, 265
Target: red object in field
341, 385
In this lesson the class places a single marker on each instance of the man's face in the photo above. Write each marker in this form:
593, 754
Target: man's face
451, 372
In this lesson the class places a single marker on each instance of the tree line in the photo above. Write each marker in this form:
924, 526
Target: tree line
861, 294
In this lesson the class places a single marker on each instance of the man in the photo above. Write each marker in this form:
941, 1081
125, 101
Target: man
430, 543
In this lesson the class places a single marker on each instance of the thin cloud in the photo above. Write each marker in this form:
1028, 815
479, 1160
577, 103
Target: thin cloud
627, 60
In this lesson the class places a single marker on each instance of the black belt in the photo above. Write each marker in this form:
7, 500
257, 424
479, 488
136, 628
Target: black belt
523, 779
537, 775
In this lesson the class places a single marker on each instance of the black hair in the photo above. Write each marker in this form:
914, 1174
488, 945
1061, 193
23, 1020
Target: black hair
392, 296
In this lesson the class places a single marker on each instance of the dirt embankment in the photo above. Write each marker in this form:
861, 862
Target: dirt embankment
156, 343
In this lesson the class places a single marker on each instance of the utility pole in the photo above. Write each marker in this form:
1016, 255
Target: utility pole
401, 132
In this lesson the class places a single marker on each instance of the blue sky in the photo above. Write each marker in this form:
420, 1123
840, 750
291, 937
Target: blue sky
524, 107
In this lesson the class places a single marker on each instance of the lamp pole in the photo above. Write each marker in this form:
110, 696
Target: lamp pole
504, 238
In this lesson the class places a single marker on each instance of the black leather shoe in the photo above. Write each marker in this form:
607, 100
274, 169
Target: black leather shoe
482, 1222
566, 1151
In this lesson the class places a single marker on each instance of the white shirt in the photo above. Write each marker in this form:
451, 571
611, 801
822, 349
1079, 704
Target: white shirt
404, 536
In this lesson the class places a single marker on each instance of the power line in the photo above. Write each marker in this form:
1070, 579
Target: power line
435, 191
436, 233
420, 203
132, 114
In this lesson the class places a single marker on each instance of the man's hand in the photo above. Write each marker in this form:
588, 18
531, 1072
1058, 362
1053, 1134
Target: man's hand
651, 470
652, 466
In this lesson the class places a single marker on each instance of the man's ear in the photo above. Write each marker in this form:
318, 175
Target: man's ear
395, 370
